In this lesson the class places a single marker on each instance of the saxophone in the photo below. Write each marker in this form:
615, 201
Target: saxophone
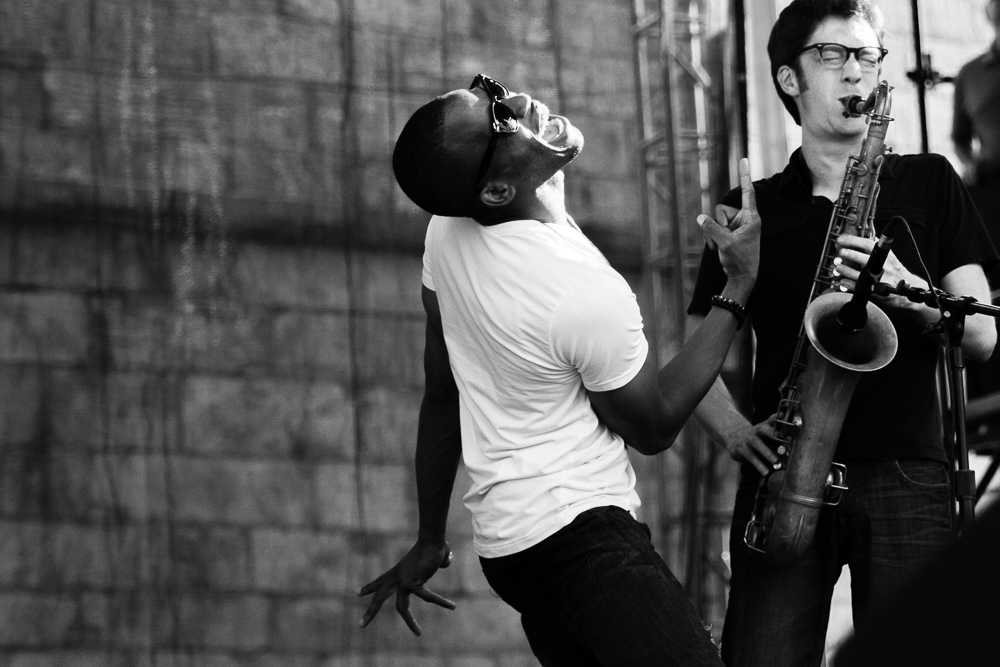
826, 367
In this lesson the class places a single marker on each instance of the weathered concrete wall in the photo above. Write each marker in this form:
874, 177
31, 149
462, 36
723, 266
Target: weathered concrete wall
284, 111
210, 323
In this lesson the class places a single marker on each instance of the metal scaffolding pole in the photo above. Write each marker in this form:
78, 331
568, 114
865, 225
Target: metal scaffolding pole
683, 161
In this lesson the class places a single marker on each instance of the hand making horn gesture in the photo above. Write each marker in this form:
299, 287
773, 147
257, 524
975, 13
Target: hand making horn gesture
736, 232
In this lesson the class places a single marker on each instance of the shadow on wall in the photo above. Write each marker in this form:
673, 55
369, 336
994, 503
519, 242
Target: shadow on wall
211, 323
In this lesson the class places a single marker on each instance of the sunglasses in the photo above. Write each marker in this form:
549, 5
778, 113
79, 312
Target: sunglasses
834, 56
503, 119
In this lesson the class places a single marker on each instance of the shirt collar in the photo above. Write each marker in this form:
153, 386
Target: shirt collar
796, 176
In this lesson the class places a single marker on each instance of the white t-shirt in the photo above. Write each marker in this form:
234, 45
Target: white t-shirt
532, 314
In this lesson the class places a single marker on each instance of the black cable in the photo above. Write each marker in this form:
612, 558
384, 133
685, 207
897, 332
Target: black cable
927, 274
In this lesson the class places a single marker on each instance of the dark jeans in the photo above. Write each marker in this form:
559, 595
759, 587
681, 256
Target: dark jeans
895, 517
596, 593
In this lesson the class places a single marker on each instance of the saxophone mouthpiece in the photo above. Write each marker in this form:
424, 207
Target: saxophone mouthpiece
855, 105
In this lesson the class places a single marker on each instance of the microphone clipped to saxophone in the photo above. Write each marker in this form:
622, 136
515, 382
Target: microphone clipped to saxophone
841, 336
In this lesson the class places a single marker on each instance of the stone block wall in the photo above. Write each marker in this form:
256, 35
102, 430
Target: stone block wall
210, 325
207, 481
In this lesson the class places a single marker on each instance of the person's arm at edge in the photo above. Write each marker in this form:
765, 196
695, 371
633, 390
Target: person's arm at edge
961, 132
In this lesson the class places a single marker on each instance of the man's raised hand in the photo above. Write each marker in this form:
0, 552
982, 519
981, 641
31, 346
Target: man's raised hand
736, 232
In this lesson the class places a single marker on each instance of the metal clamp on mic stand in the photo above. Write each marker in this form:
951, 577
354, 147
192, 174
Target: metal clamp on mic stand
952, 324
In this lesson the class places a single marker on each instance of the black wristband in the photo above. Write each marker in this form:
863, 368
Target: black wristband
738, 311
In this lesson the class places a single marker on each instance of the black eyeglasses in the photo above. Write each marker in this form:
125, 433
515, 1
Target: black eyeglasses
503, 117
834, 56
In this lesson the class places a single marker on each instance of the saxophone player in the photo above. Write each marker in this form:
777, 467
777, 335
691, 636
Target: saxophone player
897, 511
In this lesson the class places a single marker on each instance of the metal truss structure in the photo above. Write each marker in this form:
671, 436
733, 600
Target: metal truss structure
689, 98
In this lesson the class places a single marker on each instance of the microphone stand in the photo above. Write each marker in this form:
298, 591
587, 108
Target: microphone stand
952, 324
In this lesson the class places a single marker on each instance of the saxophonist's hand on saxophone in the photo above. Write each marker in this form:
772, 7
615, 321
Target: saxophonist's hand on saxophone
855, 252
749, 442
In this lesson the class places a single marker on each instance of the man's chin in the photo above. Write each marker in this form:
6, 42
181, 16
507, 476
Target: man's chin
557, 179
571, 151
569, 144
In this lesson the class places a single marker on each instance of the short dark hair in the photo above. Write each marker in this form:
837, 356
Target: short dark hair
432, 174
798, 21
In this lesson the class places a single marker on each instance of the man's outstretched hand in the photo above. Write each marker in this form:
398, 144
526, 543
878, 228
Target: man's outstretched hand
408, 577
736, 231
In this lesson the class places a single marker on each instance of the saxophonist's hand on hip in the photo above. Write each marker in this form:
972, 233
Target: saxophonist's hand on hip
736, 232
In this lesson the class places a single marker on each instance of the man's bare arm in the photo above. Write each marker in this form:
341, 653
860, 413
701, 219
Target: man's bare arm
650, 410
439, 449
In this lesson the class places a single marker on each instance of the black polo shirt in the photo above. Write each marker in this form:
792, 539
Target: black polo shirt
893, 413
